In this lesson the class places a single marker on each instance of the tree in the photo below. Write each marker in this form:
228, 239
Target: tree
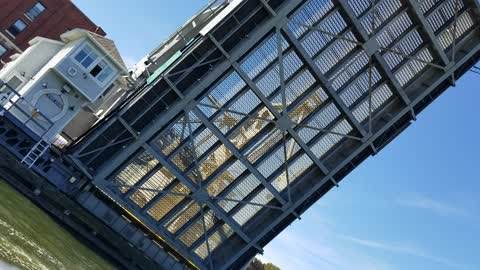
270, 266
256, 264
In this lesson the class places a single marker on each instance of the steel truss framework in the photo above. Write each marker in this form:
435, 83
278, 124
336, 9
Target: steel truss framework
292, 96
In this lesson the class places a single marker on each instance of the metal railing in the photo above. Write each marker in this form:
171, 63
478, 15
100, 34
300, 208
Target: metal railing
14, 103
212, 7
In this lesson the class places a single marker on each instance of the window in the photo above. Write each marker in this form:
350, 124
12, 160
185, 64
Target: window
101, 71
97, 66
86, 56
3, 50
15, 82
17, 27
36, 10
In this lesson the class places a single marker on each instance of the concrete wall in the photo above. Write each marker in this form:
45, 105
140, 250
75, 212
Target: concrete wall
95, 111
82, 122
109, 100
32, 60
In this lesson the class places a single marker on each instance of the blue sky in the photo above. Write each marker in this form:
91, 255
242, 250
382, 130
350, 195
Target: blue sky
416, 205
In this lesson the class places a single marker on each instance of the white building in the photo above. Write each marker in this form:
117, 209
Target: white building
73, 83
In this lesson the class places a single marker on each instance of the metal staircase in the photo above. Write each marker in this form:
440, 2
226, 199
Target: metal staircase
35, 153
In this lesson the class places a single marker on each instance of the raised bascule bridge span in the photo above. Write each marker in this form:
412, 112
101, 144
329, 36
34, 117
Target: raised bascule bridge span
257, 115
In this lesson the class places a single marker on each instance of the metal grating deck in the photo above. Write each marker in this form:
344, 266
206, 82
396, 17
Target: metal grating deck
268, 111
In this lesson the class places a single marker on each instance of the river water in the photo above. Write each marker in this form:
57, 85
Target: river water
30, 239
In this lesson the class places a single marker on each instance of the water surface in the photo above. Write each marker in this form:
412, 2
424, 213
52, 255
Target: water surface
30, 239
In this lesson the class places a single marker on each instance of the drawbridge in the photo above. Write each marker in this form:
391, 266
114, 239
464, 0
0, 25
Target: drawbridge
260, 112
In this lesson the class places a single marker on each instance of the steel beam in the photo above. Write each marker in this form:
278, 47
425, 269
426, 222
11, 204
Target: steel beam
205, 235
187, 101
160, 191
323, 80
342, 36
365, 39
475, 4
152, 226
239, 156
235, 152
257, 34
190, 185
326, 85
127, 127
346, 161
427, 30
158, 198
284, 123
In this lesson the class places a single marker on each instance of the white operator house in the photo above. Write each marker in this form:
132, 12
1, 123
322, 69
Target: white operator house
65, 87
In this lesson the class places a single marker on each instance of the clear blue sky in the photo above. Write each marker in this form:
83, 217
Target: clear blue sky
414, 206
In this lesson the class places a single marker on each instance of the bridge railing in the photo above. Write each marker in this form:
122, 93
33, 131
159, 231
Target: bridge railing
11, 101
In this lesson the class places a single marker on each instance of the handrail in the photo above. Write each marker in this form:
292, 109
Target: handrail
32, 116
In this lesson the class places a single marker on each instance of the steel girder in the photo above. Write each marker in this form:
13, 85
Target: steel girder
308, 91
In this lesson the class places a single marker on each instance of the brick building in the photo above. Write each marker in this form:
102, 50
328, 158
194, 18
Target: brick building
22, 20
